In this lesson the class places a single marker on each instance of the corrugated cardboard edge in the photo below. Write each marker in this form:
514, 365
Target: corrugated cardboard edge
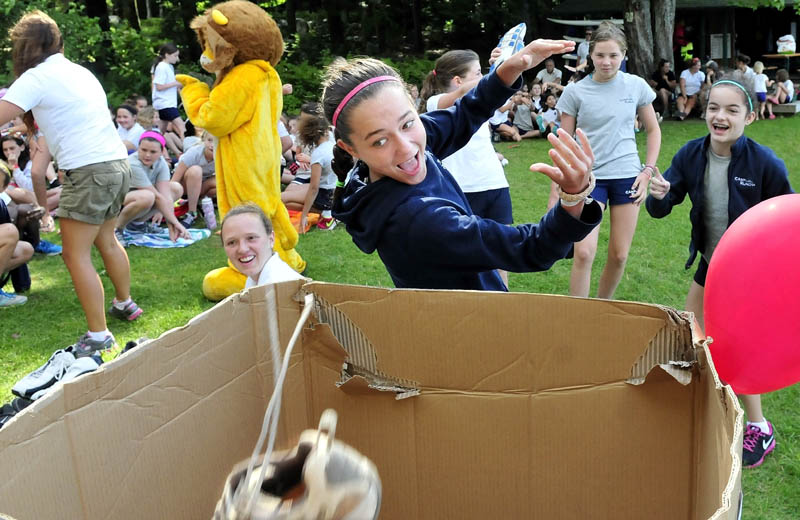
361, 361
731, 508
671, 349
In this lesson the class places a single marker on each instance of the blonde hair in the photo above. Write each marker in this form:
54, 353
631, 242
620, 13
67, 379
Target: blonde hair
758, 67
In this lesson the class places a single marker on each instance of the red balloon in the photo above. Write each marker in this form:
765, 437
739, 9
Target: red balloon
751, 304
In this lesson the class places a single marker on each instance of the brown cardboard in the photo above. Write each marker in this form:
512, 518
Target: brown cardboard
472, 405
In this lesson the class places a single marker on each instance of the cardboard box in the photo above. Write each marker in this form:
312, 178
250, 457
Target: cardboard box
472, 405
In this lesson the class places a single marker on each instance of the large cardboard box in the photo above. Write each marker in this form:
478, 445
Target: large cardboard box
472, 405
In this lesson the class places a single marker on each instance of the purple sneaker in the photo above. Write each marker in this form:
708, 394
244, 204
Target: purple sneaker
757, 445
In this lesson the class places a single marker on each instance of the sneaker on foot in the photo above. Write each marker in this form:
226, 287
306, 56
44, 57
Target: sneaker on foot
86, 346
47, 248
320, 478
10, 299
129, 313
757, 445
326, 224
188, 219
46, 375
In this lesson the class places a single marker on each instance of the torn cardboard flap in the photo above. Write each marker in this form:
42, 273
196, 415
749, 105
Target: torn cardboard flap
622, 341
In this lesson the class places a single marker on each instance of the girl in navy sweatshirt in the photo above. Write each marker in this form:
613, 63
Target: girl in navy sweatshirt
401, 201
724, 174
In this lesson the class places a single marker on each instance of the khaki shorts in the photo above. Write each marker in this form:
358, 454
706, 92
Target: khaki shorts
94, 193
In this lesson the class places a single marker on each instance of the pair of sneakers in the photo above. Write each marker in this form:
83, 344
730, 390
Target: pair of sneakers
64, 365
757, 444
320, 478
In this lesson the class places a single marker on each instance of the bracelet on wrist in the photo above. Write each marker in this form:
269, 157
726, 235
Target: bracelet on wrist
573, 199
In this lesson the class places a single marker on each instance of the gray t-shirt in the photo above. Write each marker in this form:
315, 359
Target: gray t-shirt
323, 155
522, 118
606, 112
715, 201
195, 156
143, 176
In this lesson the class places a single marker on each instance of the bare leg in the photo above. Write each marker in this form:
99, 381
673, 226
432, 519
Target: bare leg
115, 260
623, 227
193, 179
580, 278
77, 238
136, 202
180, 127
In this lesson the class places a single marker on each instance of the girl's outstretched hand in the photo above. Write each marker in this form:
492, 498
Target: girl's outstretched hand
572, 164
530, 56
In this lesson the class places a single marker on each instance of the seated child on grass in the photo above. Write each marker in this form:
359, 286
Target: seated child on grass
151, 194
196, 173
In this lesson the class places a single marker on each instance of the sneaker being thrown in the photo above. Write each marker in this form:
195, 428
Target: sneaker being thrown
46, 375
326, 224
129, 312
11, 299
320, 478
757, 445
47, 248
86, 346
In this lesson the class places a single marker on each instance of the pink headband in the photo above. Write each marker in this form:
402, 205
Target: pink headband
154, 135
358, 88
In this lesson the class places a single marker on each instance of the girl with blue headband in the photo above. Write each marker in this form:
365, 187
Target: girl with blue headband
724, 174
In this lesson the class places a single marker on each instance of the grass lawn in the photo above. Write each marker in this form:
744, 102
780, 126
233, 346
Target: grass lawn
166, 284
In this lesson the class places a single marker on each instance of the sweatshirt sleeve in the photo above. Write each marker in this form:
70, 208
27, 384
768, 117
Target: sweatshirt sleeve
453, 240
450, 129
676, 175
776, 179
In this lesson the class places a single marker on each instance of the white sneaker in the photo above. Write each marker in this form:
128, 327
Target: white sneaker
46, 375
321, 478
81, 366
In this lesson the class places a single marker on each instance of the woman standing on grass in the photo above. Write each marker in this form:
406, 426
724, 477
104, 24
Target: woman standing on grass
604, 105
724, 174
70, 107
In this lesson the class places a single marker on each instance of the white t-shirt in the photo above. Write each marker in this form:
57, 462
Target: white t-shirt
323, 155
22, 177
549, 77
760, 83
606, 112
497, 118
282, 131
164, 74
71, 109
275, 270
789, 87
693, 81
475, 167
549, 116
195, 156
132, 135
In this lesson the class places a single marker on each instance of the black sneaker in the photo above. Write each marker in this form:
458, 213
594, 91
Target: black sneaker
757, 445
188, 219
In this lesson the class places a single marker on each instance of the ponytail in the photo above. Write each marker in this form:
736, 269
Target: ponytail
448, 66
167, 48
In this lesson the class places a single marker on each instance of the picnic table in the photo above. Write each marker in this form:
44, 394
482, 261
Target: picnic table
787, 57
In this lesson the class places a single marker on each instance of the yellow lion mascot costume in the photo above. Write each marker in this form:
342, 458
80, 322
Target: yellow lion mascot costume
241, 45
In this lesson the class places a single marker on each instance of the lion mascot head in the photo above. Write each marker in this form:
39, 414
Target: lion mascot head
234, 32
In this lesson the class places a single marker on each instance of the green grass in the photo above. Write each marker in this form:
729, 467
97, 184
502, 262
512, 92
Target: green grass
166, 284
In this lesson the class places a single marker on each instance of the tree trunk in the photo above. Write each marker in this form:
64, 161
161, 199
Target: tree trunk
664, 26
416, 17
291, 17
639, 33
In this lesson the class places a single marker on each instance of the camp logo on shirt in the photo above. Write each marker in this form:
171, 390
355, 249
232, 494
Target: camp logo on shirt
627, 100
746, 183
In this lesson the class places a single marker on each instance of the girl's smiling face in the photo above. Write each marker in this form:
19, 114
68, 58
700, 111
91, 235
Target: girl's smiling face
387, 134
550, 101
125, 119
727, 114
247, 243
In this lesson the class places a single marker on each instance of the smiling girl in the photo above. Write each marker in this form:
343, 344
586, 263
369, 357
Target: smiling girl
401, 201
604, 105
724, 174
248, 239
